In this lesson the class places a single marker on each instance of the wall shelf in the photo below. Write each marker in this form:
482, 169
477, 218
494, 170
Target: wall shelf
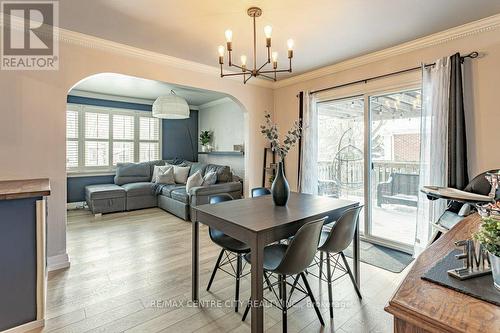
223, 153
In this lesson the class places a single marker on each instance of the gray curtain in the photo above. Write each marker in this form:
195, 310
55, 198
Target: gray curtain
458, 176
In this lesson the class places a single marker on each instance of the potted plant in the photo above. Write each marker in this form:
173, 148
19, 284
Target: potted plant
205, 138
280, 189
489, 237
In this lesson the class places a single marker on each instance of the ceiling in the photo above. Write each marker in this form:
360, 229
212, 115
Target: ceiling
133, 87
325, 31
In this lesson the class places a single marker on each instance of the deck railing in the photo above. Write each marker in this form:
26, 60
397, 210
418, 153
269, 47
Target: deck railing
381, 172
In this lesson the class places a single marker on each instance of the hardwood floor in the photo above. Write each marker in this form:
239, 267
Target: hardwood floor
130, 272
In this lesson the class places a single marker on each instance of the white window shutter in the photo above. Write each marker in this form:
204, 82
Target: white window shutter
123, 127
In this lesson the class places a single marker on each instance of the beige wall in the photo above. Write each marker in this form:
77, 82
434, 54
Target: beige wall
483, 87
32, 119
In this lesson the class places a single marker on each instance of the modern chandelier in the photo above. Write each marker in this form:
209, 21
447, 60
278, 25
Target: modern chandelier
247, 73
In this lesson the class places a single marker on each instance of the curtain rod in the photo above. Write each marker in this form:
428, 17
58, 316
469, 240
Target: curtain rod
471, 55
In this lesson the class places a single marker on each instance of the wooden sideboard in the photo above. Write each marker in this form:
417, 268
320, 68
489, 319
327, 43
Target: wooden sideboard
22, 254
420, 306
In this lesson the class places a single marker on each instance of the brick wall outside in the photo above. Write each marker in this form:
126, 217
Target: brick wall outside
407, 147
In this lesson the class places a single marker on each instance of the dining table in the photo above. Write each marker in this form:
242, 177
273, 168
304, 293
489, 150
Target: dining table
259, 222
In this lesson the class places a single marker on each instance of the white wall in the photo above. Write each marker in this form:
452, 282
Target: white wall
33, 113
225, 119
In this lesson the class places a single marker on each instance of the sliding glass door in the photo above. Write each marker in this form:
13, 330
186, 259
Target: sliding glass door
368, 151
394, 156
341, 156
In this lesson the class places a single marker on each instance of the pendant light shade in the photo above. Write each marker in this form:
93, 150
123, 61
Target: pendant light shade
171, 107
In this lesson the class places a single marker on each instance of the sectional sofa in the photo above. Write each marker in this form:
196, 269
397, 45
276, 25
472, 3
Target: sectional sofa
133, 189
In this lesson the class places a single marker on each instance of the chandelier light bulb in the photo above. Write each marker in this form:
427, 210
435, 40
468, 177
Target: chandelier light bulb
221, 50
268, 30
290, 44
229, 35
275, 56
243, 59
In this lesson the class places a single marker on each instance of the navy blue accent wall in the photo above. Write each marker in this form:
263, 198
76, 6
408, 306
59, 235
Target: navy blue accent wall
17, 262
108, 103
76, 186
176, 141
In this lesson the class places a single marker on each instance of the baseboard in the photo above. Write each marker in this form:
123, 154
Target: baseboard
26, 327
57, 262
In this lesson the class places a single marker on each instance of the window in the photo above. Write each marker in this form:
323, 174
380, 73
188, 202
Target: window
98, 138
148, 145
71, 139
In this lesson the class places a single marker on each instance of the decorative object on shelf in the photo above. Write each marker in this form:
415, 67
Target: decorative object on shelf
205, 138
239, 148
171, 107
488, 236
475, 261
272, 57
280, 189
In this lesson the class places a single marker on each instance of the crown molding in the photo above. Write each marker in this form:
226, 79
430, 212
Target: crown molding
92, 42
468, 29
87, 41
216, 102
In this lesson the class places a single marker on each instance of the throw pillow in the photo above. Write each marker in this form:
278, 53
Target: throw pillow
156, 170
166, 176
181, 174
210, 178
194, 180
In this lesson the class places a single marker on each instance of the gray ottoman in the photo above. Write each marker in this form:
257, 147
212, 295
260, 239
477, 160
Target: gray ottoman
105, 198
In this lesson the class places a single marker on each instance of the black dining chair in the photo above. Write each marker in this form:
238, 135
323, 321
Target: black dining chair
289, 260
332, 244
260, 191
232, 250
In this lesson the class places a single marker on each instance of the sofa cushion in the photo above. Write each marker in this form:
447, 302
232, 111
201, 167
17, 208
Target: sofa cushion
181, 174
210, 178
138, 189
132, 173
167, 189
223, 172
198, 166
165, 175
180, 194
154, 163
194, 180
104, 191
156, 169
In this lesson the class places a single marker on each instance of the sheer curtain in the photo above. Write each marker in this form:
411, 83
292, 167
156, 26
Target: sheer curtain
434, 143
309, 162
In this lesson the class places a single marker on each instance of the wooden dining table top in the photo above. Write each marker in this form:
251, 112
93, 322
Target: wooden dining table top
261, 214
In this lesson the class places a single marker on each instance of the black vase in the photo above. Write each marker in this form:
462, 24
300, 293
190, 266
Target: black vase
280, 189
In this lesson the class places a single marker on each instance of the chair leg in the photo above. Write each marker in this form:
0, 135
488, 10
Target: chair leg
247, 308
268, 282
350, 274
308, 288
329, 273
215, 269
294, 284
284, 304
238, 275
245, 314
320, 266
